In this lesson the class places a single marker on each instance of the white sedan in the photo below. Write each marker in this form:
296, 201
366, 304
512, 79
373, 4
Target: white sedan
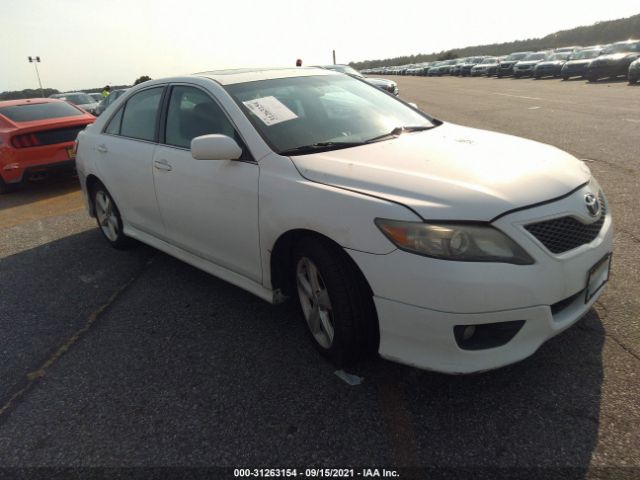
439, 246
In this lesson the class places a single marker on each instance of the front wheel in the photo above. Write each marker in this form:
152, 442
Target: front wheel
632, 81
335, 300
591, 78
109, 219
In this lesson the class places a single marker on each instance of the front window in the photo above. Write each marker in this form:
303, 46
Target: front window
560, 56
78, 98
516, 56
487, 61
623, 47
535, 56
193, 113
300, 111
586, 54
39, 111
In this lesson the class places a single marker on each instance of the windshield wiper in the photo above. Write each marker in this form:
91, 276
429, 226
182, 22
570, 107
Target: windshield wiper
319, 147
399, 131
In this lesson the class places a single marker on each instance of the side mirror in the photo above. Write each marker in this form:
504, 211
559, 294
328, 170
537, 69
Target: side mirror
215, 147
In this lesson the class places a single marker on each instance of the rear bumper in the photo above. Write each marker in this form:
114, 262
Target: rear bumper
66, 167
18, 164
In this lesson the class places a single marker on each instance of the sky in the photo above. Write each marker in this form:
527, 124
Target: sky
89, 43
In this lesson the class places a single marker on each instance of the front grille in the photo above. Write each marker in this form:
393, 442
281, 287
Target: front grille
60, 135
566, 233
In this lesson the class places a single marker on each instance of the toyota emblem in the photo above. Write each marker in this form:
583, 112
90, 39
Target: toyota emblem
592, 203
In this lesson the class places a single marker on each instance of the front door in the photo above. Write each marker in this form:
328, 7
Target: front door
209, 207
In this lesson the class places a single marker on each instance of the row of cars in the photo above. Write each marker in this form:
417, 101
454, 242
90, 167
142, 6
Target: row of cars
94, 103
593, 63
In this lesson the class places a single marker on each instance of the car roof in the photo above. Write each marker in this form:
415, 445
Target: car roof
230, 77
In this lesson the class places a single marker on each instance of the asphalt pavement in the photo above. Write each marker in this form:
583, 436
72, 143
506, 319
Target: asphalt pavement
115, 359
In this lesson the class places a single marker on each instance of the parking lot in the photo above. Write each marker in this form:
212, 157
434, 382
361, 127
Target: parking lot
133, 358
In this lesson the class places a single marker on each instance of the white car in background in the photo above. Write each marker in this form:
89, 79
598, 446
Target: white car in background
439, 246
79, 99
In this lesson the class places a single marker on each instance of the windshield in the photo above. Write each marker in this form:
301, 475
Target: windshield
535, 56
560, 56
39, 111
585, 54
516, 56
489, 60
77, 98
623, 47
298, 111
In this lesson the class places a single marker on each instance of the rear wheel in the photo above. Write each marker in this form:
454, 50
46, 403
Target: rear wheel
591, 77
335, 300
632, 81
109, 219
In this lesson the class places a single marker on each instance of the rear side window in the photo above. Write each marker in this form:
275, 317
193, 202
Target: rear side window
114, 124
140, 115
39, 111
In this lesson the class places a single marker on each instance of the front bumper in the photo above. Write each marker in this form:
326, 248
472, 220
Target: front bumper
420, 300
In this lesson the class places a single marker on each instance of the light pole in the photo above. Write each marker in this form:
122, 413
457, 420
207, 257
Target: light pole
36, 61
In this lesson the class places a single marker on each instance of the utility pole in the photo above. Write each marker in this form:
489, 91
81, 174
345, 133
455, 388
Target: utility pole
36, 61
334, 57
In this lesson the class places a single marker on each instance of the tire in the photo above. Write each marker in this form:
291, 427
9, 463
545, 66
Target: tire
335, 301
592, 78
3, 186
108, 218
565, 78
632, 81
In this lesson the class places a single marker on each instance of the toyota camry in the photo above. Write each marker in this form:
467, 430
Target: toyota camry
436, 245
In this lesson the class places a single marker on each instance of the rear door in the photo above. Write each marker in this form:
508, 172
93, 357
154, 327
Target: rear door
209, 207
125, 150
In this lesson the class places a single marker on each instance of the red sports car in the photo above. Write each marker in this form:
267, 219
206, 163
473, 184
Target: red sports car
36, 136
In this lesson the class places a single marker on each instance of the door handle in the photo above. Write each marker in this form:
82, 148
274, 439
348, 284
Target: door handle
102, 148
162, 165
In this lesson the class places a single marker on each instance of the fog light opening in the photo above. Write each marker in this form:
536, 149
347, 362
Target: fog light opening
486, 335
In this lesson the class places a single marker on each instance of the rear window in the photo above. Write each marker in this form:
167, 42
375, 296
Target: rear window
39, 111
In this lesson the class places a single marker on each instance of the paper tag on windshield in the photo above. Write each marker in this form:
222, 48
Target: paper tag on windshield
270, 110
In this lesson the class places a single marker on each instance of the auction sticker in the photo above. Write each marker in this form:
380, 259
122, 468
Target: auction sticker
270, 110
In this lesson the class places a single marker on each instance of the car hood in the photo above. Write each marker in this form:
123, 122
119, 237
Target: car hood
582, 61
612, 58
551, 62
529, 62
380, 81
450, 172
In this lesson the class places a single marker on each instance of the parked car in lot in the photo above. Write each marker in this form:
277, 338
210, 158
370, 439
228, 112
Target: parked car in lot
36, 137
614, 60
434, 69
455, 68
552, 66
394, 231
382, 83
576, 65
79, 99
525, 67
109, 99
634, 72
97, 97
505, 69
466, 65
488, 67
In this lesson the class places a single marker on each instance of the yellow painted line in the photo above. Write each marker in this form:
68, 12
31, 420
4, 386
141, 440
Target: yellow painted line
518, 96
37, 374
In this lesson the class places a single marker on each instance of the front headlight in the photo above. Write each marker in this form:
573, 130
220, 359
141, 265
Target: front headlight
462, 242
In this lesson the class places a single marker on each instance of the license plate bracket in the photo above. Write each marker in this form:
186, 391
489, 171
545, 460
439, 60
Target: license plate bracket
598, 276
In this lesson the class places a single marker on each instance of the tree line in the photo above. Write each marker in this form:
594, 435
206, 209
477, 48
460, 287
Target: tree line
36, 93
597, 34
